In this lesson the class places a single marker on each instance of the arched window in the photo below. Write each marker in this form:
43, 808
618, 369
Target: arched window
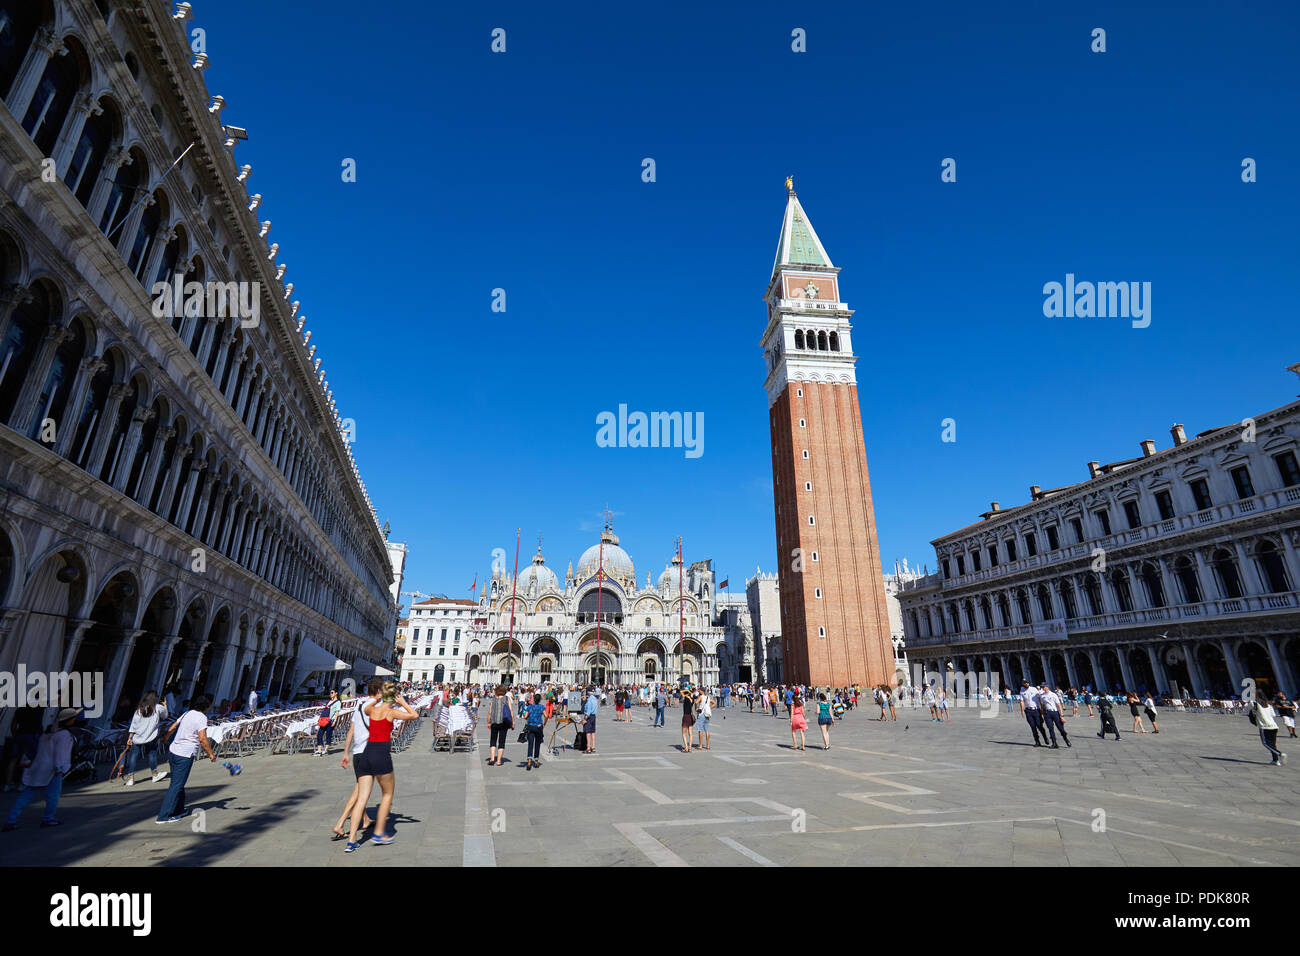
1022, 605
835, 341
798, 338
546, 669
1185, 572
1119, 581
1004, 607
1045, 603
1067, 598
1155, 587
1225, 569
1271, 567
821, 341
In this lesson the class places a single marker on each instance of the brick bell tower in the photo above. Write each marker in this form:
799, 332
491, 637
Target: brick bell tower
834, 619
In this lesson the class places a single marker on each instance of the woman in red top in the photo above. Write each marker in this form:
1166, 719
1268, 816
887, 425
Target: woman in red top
376, 761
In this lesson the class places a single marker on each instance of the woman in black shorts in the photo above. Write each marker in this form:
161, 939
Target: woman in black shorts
688, 721
1137, 714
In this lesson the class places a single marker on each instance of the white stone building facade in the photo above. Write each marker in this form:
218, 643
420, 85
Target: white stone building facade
1175, 570
437, 637
181, 504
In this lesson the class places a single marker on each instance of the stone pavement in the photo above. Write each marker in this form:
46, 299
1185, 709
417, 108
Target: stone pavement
973, 791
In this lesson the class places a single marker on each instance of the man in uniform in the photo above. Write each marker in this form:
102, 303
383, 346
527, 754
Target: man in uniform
1029, 707
1049, 703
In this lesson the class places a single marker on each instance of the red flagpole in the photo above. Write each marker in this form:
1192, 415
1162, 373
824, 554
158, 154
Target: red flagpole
600, 584
681, 611
514, 586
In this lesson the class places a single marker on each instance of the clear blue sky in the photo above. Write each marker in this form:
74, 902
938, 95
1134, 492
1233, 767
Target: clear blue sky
522, 171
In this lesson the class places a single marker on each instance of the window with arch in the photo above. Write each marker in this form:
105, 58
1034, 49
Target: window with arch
817, 593
1225, 569
812, 520
1188, 582
821, 342
814, 555
1272, 569
803, 423
805, 454
799, 392
835, 341
798, 338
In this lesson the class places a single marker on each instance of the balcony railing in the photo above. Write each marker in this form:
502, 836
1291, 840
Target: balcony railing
1220, 607
1267, 501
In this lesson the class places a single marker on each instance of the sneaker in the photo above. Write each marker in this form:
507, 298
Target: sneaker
129, 782
170, 820
381, 840
1282, 761
158, 776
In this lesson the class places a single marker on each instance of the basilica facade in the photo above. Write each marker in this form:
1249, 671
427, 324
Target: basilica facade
599, 625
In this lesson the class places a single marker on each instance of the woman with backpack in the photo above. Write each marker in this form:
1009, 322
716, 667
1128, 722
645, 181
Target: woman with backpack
534, 726
325, 720
142, 739
501, 721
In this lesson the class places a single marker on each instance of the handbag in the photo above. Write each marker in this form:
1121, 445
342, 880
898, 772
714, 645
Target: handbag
523, 737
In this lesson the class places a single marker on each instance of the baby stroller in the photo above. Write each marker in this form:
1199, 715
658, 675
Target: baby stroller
82, 766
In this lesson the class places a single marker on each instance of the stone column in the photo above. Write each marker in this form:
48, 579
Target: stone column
82, 108
164, 645
126, 457
1281, 666
106, 428
1205, 574
1046, 661
154, 261
25, 410
1124, 668
1234, 668
1249, 576
108, 177
187, 494
1194, 672
149, 479
116, 676
72, 643
172, 479
45, 44
205, 502
190, 671
1099, 681
1157, 666
1292, 559
1167, 582
1070, 671
90, 367
227, 673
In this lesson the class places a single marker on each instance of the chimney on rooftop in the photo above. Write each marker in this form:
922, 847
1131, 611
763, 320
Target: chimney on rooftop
1094, 469
1180, 436
1148, 448
1035, 492
994, 506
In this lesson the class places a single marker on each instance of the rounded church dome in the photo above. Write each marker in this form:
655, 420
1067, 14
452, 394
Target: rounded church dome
615, 560
537, 578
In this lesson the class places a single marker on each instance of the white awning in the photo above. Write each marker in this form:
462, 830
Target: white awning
363, 668
312, 658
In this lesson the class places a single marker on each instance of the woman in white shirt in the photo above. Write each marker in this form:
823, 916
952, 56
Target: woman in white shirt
141, 739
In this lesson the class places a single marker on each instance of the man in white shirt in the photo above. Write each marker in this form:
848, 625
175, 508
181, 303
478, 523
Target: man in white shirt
1049, 703
252, 701
191, 733
1029, 707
